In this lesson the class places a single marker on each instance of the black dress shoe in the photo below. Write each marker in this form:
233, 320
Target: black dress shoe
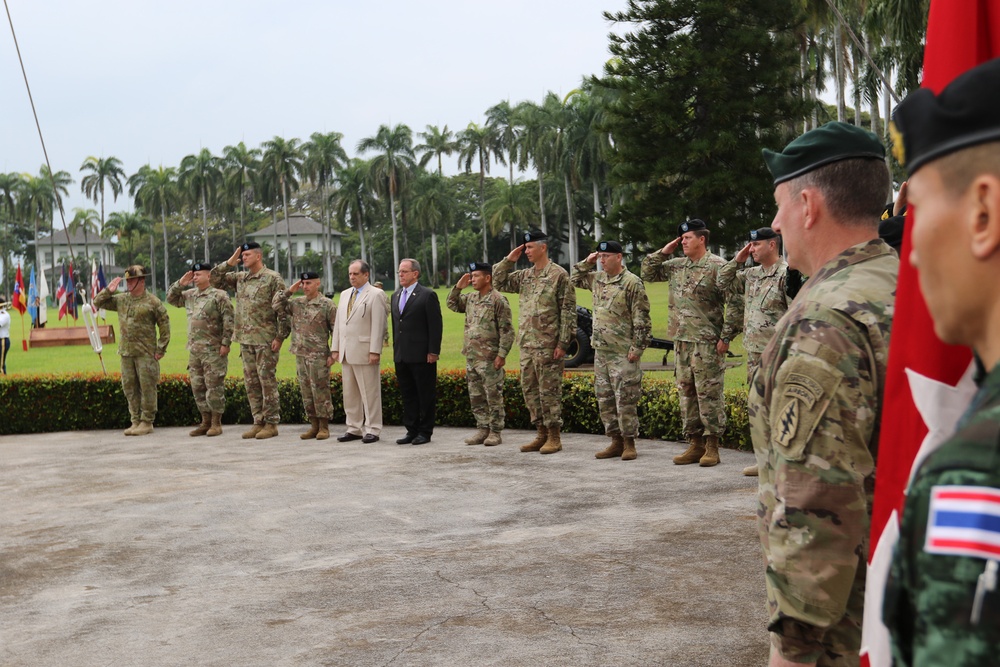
406, 440
347, 437
420, 440
369, 438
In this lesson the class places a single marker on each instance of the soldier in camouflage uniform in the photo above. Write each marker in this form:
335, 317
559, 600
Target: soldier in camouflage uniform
489, 334
942, 603
313, 317
815, 403
210, 333
259, 331
140, 316
547, 325
620, 335
701, 331
764, 291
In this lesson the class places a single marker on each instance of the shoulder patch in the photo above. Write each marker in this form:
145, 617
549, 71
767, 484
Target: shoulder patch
804, 387
964, 521
788, 423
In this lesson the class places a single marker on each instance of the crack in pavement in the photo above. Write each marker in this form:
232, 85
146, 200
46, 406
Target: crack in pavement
572, 631
483, 599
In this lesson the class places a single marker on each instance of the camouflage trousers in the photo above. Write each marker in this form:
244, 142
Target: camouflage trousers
314, 384
618, 386
700, 372
753, 363
260, 366
541, 384
486, 394
140, 375
207, 370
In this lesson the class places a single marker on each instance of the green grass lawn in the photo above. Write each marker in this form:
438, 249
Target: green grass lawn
81, 359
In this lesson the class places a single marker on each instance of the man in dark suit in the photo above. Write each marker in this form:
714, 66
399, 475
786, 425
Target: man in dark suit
416, 346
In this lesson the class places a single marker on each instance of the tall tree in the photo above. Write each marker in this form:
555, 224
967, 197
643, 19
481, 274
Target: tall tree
394, 158
155, 191
102, 173
200, 177
505, 123
479, 143
437, 144
432, 208
128, 226
283, 158
88, 221
240, 165
324, 156
60, 181
36, 202
537, 143
353, 197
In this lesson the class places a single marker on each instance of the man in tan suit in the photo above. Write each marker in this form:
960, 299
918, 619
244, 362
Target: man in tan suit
358, 334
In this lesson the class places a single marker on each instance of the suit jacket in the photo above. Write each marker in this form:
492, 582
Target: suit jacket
416, 332
361, 333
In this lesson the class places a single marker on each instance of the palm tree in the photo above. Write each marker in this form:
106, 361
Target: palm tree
388, 168
537, 143
433, 206
240, 165
104, 173
515, 204
10, 188
127, 226
85, 220
438, 143
324, 156
284, 160
478, 143
156, 190
353, 197
592, 145
60, 181
200, 176
36, 201
505, 123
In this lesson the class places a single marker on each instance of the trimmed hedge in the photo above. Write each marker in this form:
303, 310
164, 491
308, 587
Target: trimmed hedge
75, 402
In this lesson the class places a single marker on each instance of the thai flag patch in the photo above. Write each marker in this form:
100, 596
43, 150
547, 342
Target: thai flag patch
964, 521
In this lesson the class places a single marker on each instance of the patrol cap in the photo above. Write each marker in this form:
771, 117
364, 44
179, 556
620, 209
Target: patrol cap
135, 271
692, 225
309, 275
762, 234
817, 148
926, 126
534, 235
250, 245
609, 246
481, 266
201, 266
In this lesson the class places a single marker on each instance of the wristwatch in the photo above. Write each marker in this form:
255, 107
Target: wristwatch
725, 340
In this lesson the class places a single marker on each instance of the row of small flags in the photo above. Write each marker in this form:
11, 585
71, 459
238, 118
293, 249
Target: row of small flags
33, 300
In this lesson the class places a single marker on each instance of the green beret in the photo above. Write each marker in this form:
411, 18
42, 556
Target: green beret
926, 126
817, 148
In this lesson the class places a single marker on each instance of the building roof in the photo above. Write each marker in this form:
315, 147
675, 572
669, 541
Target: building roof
76, 239
301, 225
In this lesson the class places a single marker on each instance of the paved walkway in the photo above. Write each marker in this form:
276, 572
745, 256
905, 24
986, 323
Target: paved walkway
169, 550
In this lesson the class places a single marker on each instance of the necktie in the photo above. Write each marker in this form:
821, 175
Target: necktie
402, 301
350, 303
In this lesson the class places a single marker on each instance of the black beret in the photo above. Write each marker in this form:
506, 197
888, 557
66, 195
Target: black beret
534, 235
890, 230
201, 266
481, 266
817, 148
692, 225
609, 246
251, 245
926, 126
309, 275
762, 234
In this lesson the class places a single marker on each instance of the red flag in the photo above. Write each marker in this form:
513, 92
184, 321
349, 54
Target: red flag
922, 370
61, 293
20, 301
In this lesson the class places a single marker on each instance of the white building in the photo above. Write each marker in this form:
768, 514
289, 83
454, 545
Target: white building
306, 233
55, 250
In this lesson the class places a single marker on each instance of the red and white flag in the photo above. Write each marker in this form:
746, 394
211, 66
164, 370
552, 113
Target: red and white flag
929, 384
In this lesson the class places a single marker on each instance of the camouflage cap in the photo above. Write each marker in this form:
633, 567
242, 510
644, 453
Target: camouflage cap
817, 148
480, 266
926, 126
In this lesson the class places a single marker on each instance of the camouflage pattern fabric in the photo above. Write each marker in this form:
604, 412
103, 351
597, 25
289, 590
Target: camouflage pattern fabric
486, 393
210, 327
621, 326
260, 367
312, 325
700, 376
814, 415
753, 363
547, 316
207, 370
541, 385
139, 318
256, 321
140, 377
929, 596
314, 385
765, 300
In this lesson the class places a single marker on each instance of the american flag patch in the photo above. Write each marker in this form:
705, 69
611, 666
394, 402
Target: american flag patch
964, 521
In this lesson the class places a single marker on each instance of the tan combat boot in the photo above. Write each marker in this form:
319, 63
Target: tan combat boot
216, 427
252, 433
538, 442
711, 457
553, 444
202, 428
613, 450
478, 437
324, 428
269, 430
311, 433
629, 454
144, 428
493, 439
693, 453
131, 429
751, 471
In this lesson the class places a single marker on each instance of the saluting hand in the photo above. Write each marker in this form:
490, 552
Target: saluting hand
670, 247
515, 254
743, 254
113, 285
235, 259
464, 281
187, 278
592, 258
296, 286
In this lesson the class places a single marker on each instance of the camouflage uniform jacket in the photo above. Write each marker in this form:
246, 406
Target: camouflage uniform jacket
621, 310
209, 316
256, 321
696, 304
547, 306
139, 318
489, 330
763, 290
312, 322
814, 414
929, 596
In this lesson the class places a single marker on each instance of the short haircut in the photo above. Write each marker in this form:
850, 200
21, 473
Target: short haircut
362, 266
414, 264
960, 168
703, 233
856, 191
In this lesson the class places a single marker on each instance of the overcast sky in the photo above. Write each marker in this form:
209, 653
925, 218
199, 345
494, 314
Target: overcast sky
153, 81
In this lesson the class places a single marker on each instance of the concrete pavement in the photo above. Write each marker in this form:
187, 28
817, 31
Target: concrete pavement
170, 550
